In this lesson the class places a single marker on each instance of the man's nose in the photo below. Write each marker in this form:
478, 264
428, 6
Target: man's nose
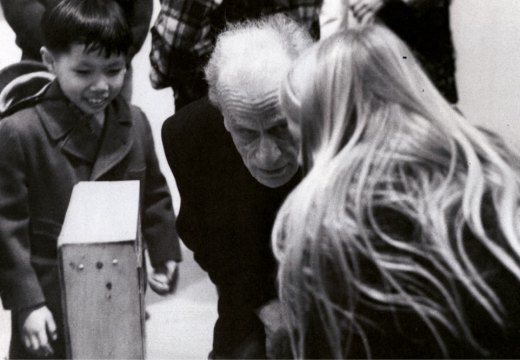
267, 153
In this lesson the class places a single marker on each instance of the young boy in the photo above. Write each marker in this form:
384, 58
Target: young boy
79, 129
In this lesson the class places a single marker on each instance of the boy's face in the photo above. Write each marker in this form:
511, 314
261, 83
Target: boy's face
90, 80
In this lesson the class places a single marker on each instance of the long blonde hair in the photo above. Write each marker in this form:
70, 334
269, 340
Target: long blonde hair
378, 139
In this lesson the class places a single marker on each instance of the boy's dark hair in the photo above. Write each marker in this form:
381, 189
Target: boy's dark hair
98, 24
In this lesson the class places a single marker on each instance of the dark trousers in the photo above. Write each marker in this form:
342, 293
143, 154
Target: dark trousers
252, 347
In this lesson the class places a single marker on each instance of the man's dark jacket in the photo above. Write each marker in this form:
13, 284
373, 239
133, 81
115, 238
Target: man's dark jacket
225, 218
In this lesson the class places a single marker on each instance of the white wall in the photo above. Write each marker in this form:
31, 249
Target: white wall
487, 39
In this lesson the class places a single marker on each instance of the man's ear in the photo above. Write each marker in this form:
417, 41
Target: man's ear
226, 124
47, 58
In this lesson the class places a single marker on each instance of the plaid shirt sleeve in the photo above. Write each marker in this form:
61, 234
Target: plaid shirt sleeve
182, 25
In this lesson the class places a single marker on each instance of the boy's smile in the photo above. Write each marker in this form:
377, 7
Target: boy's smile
90, 80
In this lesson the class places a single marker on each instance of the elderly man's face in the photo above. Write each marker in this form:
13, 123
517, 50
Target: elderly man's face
262, 138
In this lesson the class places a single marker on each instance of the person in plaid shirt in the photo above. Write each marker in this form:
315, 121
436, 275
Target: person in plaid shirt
185, 30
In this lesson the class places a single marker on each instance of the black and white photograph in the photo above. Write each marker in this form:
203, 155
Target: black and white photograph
259, 179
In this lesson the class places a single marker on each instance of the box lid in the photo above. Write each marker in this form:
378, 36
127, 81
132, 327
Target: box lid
102, 212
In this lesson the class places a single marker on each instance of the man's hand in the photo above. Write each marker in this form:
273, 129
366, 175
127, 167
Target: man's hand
365, 10
271, 316
38, 329
163, 280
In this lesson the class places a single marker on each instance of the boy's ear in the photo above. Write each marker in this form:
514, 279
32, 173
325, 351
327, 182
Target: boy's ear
47, 58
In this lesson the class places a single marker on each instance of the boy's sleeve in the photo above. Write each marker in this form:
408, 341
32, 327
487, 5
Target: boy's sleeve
158, 220
19, 286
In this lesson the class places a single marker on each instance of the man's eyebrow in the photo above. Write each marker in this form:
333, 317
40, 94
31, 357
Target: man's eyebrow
243, 127
278, 122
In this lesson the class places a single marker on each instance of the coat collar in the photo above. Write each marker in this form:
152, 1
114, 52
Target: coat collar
67, 124
116, 141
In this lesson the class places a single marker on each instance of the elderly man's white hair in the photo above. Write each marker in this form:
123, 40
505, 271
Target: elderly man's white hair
253, 57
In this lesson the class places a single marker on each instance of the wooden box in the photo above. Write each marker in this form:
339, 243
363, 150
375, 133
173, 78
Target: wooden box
101, 272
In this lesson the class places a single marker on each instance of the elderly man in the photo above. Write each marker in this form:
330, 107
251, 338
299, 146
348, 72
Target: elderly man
234, 162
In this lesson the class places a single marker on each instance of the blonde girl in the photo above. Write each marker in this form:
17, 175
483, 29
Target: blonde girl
403, 239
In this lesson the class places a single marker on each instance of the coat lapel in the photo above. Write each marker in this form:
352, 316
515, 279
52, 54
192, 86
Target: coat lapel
68, 125
116, 141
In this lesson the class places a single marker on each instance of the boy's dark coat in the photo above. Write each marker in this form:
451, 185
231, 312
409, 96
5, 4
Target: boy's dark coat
44, 151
